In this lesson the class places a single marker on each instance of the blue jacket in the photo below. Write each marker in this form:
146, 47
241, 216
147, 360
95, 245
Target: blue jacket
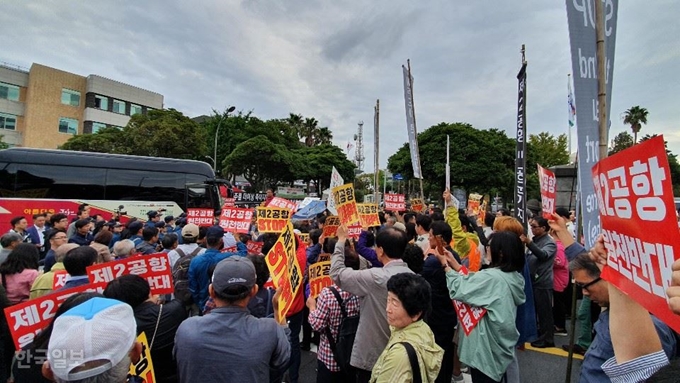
82, 240
199, 280
313, 253
34, 235
367, 252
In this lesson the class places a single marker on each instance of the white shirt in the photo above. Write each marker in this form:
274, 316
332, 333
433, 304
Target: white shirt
423, 241
173, 255
41, 234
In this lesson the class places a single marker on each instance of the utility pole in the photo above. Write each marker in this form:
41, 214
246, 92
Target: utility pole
359, 151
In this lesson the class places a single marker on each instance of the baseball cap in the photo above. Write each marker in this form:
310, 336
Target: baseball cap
214, 232
159, 225
190, 231
99, 329
233, 271
400, 226
152, 213
135, 226
168, 218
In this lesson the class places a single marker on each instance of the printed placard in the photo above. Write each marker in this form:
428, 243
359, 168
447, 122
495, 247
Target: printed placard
229, 202
319, 277
395, 202
236, 220
155, 268
143, 368
323, 257
27, 319
474, 203
639, 224
417, 205
468, 316
284, 269
354, 230
368, 214
272, 219
59, 279
304, 237
346, 204
336, 180
201, 217
330, 228
283, 203
254, 247
241, 197
548, 191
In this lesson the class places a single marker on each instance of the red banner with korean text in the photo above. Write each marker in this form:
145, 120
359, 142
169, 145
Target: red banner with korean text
254, 247
229, 202
319, 277
395, 202
236, 220
283, 203
346, 204
284, 269
354, 230
368, 214
548, 191
639, 224
468, 316
27, 319
272, 219
154, 268
330, 228
59, 279
417, 205
201, 217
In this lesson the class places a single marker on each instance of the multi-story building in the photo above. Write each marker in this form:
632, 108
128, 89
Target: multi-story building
43, 107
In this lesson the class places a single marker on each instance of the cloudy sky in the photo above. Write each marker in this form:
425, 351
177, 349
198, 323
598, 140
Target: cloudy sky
333, 59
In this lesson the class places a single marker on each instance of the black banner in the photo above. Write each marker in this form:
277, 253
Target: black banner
520, 158
249, 197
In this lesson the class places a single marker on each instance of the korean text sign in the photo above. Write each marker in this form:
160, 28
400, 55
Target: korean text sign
548, 191
635, 198
236, 219
368, 214
285, 269
417, 205
154, 268
395, 202
272, 219
27, 319
283, 203
345, 203
201, 217
319, 277
144, 367
468, 316
330, 228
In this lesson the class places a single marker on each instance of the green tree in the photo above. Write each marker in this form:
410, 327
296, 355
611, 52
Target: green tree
308, 130
546, 150
3, 144
319, 162
673, 164
635, 117
106, 140
621, 142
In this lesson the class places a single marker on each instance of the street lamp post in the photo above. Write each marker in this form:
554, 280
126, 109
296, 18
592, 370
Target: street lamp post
217, 132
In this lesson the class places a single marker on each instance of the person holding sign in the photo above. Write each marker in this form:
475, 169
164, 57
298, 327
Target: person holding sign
490, 346
229, 344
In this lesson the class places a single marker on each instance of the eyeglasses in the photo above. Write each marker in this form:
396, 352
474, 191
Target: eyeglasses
587, 285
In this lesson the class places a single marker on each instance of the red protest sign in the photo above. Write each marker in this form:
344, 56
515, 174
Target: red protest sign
254, 247
417, 205
330, 228
639, 224
272, 219
236, 219
548, 191
201, 217
155, 268
283, 203
354, 230
27, 319
229, 202
59, 279
395, 202
468, 316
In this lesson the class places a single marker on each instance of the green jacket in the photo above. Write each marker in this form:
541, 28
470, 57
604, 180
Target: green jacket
393, 364
43, 284
490, 346
460, 237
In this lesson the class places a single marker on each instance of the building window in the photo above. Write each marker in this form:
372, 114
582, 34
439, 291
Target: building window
8, 121
9, 91
70, 97
97, 126
101, 102
135, 109
119, 106
68, 125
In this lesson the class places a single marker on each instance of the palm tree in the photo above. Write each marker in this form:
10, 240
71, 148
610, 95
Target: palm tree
635, 117
323, 136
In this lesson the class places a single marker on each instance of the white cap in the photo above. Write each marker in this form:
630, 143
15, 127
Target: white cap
98, 329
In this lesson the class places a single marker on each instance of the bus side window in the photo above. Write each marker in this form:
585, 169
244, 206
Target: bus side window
65, 182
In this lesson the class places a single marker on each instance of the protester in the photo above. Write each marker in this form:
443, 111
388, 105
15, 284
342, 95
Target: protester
101, 244
296, 316
149, 241
364, 248
8, 241
45, 282
414, 258
123, 249
19, 272
423, 223
82, 234
408, 302
325, 316
169, 242
19, 226
489, 348
82, 213
76, 263
158, 321
57, 222
188, 246
229, 344
36, 232
561, 288
371, 288
57, 239
94, 341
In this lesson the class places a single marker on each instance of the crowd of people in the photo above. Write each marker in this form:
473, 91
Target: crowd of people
391, 313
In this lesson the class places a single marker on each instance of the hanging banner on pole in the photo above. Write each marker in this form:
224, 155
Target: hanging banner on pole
639, 224
411, 123
520, 154
548, 183
448, 168
376, 157
581, 20
336, 180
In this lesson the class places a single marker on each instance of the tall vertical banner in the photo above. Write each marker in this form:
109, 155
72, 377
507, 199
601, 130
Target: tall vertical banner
285, 269
548, 183
411, 123
336, 180
520, 157
448, 167
639, 225
376, 157
581, 18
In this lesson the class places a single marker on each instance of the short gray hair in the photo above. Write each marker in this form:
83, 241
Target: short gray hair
123, 248
7, 239
115, 374
583, 262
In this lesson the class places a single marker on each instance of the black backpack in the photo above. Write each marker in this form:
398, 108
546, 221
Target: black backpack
342, 347
180, 276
